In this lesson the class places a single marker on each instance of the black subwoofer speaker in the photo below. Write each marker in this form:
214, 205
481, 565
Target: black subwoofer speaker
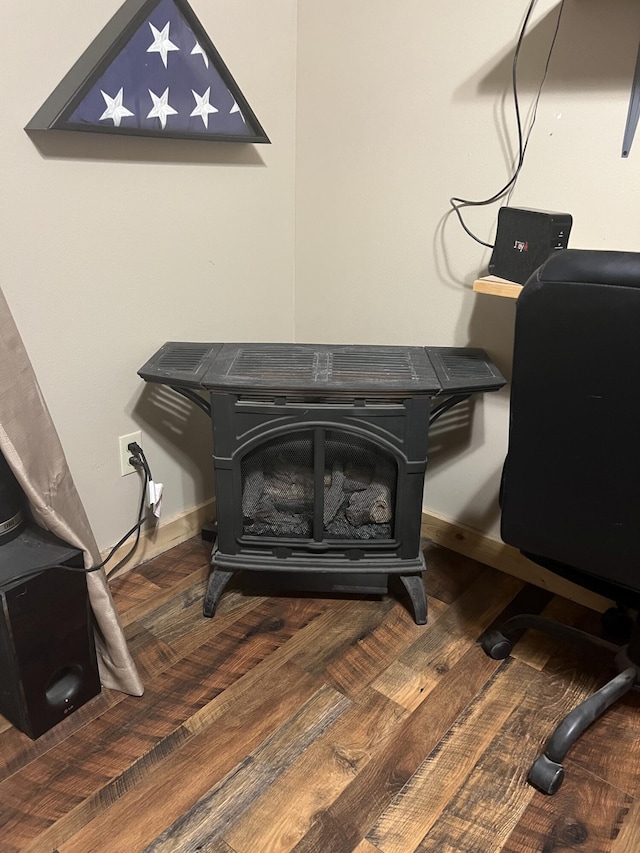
48, 665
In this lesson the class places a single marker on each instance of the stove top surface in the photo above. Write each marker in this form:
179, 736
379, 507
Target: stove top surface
322, 368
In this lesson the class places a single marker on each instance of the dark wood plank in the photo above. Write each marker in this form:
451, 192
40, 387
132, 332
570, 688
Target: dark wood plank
628, 839
179, 623
366, 616
378, 635
139, 590
585, 815
343, 825
366, 847
418, 670
448, 574
286, 811
149, 596
414, 810
178, 562
204, 823
499, 777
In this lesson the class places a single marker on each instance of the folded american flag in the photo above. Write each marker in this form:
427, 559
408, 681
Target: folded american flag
166, 79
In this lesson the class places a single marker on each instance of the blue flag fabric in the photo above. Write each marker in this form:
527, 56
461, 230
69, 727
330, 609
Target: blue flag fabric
163, 80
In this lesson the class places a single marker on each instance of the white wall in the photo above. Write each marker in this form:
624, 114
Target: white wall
400, 107
112, 246
378, 112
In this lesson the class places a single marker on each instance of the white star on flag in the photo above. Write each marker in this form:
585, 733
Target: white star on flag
161, 107
236, 109
198, 49
203, 107
115, 111
161, 43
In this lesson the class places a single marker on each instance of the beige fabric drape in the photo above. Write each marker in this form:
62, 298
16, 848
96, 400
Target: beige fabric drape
30, 444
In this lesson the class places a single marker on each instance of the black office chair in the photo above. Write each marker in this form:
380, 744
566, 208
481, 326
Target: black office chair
570, 493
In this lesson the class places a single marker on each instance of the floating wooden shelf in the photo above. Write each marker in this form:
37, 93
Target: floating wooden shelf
496, 286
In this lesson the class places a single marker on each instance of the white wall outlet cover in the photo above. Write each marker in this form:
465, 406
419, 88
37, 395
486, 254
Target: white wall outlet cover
124, 441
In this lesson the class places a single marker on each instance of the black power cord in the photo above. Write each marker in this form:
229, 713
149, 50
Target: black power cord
137, 460
457, 203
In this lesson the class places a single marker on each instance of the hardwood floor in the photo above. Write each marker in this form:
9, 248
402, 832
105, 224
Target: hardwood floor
327, 725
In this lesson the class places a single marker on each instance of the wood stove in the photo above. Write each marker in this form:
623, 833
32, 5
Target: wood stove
319, 454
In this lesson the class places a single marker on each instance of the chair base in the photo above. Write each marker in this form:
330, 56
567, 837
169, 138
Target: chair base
547, 772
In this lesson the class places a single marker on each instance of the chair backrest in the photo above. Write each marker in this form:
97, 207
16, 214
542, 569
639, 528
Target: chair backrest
571, 482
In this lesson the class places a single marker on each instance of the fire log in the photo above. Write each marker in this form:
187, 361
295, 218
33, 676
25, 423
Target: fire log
373, 504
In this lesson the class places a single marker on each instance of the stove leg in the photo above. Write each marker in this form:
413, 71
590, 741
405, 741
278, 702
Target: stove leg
215, 585
415, 587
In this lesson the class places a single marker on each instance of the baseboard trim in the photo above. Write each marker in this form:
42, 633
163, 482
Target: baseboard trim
168, 534
492, 552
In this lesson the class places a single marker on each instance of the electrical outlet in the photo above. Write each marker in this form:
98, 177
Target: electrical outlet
124, 441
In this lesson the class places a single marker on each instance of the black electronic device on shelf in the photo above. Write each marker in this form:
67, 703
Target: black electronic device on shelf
525, 239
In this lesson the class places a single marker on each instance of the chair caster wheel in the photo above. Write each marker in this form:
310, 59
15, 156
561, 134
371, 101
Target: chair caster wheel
496, 645
546, 775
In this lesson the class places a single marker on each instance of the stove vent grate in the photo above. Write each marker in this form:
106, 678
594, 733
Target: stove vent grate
184, 359
277, 363
472, 366
383, 366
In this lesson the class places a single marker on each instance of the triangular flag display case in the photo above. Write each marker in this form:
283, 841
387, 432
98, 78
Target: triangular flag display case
152, 71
